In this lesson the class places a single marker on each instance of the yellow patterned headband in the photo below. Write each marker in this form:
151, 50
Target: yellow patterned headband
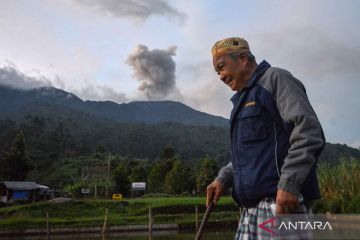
229, 45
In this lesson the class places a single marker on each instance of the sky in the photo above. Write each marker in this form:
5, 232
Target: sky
149, 50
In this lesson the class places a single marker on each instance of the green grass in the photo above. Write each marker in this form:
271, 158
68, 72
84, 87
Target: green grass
340, 187
84, 213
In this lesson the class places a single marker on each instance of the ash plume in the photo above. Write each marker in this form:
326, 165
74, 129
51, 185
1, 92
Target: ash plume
155, 70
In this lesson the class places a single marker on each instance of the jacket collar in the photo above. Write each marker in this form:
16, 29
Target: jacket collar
261, 68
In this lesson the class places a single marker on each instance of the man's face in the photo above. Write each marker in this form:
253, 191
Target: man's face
231, 71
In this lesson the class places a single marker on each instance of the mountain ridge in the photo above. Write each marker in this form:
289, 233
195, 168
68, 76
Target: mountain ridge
15, 103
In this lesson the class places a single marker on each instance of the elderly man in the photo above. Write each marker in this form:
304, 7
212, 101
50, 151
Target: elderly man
276, 139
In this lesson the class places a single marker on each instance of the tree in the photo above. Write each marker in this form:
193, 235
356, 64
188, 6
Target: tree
100, 150
122, 184
206, 172
138, 174
178, 179
157, 175
16, 165
168, 153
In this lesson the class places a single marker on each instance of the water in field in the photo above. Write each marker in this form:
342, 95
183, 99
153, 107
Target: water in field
159, 235
175, 235
180, 236
348, 231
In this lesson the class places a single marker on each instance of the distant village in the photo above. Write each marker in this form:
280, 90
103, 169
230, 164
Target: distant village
12, 191
23, 191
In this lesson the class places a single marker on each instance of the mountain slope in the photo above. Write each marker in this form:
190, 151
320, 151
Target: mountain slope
15, 104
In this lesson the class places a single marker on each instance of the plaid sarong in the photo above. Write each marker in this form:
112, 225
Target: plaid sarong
251, 218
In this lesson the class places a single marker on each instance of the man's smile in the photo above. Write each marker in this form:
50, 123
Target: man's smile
228, 80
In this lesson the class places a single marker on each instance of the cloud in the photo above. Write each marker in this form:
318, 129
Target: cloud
355, 143
328, 65
12, 77
100, 93
135, 9
208, 93
311, 51
155, 70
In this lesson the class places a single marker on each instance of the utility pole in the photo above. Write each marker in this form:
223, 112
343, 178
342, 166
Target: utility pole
107, 178
95, 190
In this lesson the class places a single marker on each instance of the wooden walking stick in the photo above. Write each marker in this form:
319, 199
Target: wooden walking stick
204, 221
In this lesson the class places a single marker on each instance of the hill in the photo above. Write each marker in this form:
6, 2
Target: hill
15, 104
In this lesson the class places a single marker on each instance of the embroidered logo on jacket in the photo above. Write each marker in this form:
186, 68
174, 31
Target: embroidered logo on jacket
250, 104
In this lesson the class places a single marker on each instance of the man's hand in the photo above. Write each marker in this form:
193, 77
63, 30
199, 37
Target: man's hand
213, 192
286, 202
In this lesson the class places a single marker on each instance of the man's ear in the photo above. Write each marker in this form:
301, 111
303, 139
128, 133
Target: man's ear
243, 59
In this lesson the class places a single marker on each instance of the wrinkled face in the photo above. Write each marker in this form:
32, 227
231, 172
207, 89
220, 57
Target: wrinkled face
231, 71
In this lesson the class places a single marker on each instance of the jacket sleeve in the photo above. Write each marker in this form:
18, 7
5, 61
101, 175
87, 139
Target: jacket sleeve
226, 175
306, 139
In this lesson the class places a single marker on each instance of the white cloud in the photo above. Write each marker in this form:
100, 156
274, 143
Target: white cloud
10, 76
310, 50
100, 93
204, 90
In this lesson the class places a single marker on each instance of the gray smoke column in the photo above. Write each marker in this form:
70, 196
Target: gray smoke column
136, 9
155, 69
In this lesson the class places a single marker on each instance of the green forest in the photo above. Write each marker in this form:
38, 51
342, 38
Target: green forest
73, 153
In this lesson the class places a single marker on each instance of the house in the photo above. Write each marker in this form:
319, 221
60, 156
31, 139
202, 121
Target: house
11, 191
